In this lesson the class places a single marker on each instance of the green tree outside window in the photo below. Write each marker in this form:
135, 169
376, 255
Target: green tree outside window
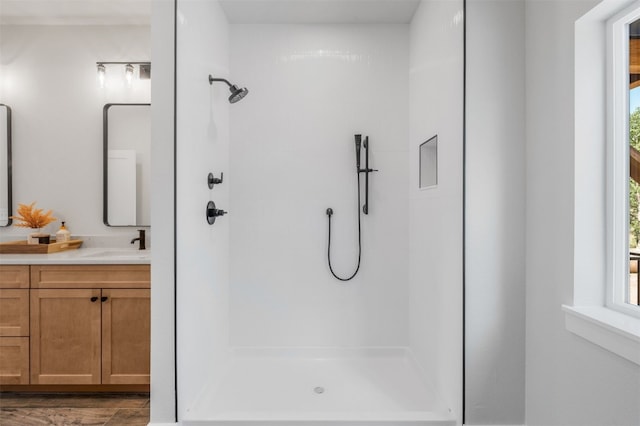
634, 187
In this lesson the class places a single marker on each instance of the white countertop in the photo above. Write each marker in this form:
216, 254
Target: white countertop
82, 256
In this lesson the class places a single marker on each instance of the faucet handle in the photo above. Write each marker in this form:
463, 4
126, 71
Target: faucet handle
211, 180
141, 239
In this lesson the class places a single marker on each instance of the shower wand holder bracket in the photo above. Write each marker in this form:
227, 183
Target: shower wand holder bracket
367, 170
365, 207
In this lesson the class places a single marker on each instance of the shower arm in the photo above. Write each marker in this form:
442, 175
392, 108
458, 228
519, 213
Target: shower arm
366, 171
212, 79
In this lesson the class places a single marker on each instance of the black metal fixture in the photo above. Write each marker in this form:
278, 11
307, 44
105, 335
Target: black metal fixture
213, 212
140, 239
8, 175
212, 180
365, 208
366, 170
236, 92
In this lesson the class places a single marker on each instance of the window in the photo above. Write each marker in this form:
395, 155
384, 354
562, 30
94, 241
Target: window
600, 311
632, 295
623, 162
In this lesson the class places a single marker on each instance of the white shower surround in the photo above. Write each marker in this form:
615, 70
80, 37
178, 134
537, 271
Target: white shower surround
312, 88
258, 295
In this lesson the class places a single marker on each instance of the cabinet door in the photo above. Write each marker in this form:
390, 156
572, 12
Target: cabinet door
14, 276
126, 320
14, 360
14, 312
65, 336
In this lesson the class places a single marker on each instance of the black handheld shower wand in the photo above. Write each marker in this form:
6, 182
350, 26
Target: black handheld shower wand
365, 208
358, 147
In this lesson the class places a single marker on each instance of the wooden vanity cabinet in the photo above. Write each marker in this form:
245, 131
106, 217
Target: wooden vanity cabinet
14, 312
14, 324
65, 336
126, 331
88, 327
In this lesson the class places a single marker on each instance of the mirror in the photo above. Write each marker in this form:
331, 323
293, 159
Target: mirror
429, 163
5, 165
127, 160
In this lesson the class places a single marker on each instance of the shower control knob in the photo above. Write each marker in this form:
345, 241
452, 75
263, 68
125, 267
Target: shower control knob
211, 180
213, 212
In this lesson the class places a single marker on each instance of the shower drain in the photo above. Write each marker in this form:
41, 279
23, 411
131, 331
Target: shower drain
318, 389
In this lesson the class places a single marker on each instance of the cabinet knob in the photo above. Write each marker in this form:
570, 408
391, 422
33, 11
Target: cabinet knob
104, 298
94, 298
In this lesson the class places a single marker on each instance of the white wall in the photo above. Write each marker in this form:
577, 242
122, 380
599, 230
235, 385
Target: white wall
49, 81
162, 217
312, 87
202, 147
435, 215
495, 213
569, 381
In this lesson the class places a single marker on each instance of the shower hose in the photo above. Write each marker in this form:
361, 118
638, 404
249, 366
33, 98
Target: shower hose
329, 214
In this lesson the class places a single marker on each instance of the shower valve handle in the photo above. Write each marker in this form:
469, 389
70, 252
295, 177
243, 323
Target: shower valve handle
213, 212
211, 180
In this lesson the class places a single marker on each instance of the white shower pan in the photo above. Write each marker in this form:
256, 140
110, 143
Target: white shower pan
320, 386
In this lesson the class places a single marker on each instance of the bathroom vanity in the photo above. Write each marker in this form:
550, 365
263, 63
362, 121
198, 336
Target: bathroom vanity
75, 320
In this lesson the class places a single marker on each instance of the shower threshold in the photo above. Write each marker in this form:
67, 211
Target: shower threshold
318, 387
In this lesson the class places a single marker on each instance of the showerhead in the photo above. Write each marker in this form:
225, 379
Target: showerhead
236, 93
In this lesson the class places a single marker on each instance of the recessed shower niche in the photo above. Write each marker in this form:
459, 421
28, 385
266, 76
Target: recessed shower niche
262, 322
428, 167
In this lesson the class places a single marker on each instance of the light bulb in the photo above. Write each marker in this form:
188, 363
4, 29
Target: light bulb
128, 74
101, 75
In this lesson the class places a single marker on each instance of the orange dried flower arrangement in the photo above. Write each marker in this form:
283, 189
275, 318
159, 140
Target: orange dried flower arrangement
30, 217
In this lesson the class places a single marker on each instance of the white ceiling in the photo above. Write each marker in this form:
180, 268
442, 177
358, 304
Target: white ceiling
319, 11
75, 12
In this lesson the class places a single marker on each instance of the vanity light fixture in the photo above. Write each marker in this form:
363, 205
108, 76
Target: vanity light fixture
145, 71
101, 75
128, 74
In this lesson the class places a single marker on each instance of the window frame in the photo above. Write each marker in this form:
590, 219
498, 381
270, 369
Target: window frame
617, 154
588, 315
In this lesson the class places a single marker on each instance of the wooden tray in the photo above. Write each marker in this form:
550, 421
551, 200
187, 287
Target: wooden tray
21, 247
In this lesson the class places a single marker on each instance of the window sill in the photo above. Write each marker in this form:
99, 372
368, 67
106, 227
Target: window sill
616, 332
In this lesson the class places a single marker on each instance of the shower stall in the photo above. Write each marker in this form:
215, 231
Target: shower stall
266, 335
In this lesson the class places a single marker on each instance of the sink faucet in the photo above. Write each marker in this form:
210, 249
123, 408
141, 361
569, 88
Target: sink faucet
141, 239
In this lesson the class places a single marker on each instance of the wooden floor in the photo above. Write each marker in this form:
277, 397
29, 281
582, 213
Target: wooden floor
74, 409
